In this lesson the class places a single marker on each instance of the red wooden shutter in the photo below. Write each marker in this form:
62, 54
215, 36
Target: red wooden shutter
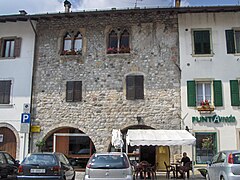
17, 47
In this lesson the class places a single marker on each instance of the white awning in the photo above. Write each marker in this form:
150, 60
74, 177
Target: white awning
147, 137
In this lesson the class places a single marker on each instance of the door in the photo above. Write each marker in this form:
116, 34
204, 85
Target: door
8, 141
162, 155
213, 166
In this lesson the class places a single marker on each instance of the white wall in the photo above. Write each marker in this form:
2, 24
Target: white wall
221, 66
19, 70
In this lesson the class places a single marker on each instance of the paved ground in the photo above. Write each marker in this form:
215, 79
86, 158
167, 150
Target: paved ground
159, 176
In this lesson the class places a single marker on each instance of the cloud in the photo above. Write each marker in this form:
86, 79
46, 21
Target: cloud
31, 6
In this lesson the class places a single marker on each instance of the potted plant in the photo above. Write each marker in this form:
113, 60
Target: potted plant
205, 106
40, 144
112, 50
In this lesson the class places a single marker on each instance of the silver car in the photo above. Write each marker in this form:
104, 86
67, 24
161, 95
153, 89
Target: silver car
225, 165
112, 165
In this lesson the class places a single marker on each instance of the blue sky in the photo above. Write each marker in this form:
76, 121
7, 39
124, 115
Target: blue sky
53, 6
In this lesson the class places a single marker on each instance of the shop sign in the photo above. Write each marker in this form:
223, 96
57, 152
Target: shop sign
35, 129
214, 119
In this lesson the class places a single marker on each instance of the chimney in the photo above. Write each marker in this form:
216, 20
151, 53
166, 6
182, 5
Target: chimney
22, 12
67, 6
177, 3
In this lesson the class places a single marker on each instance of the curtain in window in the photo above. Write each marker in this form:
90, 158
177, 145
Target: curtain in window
67, 42
78, 42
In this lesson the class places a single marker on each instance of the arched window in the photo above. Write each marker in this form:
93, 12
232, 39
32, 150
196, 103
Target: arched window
113, 40
78, 42
67, 42
118, 42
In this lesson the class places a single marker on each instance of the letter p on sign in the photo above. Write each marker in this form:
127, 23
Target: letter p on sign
25, 118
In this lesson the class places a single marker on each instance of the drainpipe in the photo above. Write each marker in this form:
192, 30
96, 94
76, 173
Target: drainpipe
30, 147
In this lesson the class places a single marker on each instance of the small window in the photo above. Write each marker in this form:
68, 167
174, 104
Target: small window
10, 47
202, 93
72, 45
74, 91
5, 89
233, 41
118, 42
201, 42
134, 87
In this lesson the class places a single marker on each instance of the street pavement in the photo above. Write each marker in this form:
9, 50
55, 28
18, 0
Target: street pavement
161, 175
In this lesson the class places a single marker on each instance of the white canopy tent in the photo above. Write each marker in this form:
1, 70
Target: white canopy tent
147, 137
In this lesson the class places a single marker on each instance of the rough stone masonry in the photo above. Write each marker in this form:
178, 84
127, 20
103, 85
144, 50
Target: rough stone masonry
154, 54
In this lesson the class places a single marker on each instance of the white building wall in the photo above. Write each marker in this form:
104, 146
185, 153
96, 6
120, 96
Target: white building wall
19, 70
221, 66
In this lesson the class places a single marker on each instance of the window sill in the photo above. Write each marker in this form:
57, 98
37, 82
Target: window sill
7, 58
65, 58
118, 54
205, 108
202, 55
6, 105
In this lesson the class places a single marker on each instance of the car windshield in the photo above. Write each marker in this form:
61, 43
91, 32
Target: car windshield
109, 162
40, 159
236, 158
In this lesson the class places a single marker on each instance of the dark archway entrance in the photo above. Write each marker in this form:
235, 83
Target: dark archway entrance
72, 142
8, 141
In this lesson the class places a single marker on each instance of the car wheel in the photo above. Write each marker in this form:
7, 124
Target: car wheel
207, 176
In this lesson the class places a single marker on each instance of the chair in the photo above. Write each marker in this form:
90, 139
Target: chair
187, 168
169, 169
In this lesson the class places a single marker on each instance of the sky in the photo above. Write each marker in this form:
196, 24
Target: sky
8, 7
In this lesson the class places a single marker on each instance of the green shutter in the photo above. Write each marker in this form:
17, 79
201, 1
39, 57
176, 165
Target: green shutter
234, 87
191, 93
230, 41
77, 91
217, 89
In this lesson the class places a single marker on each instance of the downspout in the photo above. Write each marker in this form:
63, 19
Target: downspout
30, 147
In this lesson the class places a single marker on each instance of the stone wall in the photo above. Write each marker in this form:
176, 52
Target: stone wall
154, 54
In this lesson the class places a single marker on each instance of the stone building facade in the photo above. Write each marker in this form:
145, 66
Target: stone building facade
153, 41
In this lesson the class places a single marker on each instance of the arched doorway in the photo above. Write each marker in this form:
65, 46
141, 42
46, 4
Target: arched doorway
72, 142
8, 141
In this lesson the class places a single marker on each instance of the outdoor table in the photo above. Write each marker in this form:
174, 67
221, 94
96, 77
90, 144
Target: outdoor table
177, 166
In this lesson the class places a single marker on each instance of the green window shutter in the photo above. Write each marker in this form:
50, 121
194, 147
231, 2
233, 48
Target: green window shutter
202, 42
191, 93
234, 87
217, 89
230, 41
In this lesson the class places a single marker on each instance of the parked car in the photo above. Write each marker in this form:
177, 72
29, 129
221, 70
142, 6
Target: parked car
46, 165
8, 165
111, 165
225, 165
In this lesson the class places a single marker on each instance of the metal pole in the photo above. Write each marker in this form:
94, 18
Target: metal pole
54, 143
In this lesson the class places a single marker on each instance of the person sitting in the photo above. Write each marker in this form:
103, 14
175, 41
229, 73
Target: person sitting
186, 164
